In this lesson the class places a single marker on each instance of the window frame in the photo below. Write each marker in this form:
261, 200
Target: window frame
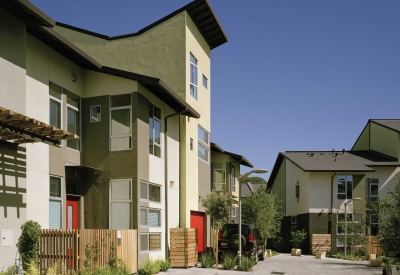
154, 143
194, 85
60, 102
233, 177
233, 212
111, 201
90, 115
206, 135
207, 153
148, 193
148, 242
214, 177
373, 198
346, 184
127, 107
375, 223
148, 209
79, 126
205, 82
352, 215
57, 199
293, 219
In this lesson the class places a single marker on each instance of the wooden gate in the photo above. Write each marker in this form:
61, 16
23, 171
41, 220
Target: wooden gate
74, 249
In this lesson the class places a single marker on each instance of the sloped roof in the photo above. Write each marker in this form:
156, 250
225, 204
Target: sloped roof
241, 159
333, 161
201, 13
393, 124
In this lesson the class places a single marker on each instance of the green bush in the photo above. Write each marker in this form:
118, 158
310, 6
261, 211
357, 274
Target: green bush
247, 264
8, 272
207, 260
297, 238
163, 264
28, 244
32, 268
229, 261
149, 267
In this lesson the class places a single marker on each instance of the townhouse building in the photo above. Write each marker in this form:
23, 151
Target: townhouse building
314, 185
115, 138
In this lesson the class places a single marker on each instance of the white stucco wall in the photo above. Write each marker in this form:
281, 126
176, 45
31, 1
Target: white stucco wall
293, 175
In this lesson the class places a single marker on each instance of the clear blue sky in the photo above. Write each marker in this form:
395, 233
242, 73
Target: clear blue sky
294, 75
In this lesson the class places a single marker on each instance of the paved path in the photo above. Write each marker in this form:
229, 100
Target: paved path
286, 264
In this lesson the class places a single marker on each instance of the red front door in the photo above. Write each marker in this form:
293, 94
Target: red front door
72, 216
197, 220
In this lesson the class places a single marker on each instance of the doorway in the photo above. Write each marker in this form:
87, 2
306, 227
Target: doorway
72, 212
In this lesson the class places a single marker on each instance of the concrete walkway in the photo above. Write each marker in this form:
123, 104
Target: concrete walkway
286, 264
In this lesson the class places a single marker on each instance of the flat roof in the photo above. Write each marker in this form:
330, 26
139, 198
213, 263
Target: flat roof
201, 13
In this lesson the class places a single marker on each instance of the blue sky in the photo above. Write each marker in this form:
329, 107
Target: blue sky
294, 75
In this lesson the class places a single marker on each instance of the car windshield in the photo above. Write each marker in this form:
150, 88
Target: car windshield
231, 230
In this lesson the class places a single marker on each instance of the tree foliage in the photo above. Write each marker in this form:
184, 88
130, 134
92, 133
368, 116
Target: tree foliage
261, 209
28, 243
252, 179
389, 220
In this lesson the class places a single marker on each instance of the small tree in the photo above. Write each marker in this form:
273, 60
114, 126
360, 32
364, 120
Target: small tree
252, 179
28, 243
389, 220
218, 207
297, 238
261, 209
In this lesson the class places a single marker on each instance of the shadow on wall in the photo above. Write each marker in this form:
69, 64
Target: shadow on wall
12, 178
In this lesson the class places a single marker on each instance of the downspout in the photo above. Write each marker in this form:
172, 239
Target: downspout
332, 209
166, 174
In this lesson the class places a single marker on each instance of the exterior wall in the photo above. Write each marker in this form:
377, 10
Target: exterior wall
294, 174
279, 187
384, 140
363, 141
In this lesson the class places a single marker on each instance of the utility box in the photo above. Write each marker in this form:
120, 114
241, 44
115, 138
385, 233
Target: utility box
7, 238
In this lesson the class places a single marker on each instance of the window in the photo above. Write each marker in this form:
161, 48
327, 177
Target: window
345, 187
55, 105
372, 189
297, 192
293, 219
191, 144
120, 204
233, 177
205, 82
193, 76
233, 212
340, 226
154, 130
374, 223
150, 242
55, 203
203, 135
95, 113
150, 217
120, 122
203, 153
150, 192
219, 177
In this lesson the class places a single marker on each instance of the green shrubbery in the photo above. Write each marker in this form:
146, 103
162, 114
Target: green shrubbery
152, 266
28, 243
207, 260
229, 261
247, 264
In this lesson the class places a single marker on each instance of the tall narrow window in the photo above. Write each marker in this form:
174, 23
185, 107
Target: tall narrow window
55, 203
205, 82
191, 144
233, 178
193, 76
233, 212
120, 122
55, 105
73, 119
95, 113
154, 130
373, 189
345, 187
219, 177
120, 204
374, 223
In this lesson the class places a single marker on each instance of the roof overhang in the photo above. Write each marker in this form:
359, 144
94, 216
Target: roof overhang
18, 129
239, 158
157, 87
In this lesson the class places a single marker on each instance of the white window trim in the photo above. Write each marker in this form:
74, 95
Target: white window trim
80, 124
345, 186
204, 77
111, 201
219, 183
233, 212
208, 135
233, 176
208, 154
61, 109
370, 192
147, 225
161, 131
149, 251
119, 136
337, 227
61, 198
195, 96
148, 187
90, 115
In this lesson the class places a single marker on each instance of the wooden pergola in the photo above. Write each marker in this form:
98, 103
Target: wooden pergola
18, 128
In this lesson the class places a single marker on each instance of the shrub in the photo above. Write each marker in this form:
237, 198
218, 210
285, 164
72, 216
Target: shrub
121, 268
163, 264
28, 244
229, 261
207, 260
32, 268
297, 238
10, 271
247, 264
149, 267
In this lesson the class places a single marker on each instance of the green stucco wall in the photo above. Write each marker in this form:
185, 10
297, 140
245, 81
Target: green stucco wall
384, 140
363, 141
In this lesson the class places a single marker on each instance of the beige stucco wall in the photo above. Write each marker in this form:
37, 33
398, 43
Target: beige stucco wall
363, 141
384, 140
294, 174
279, 186
320, 192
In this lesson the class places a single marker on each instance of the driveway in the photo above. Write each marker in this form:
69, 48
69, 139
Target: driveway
286, 264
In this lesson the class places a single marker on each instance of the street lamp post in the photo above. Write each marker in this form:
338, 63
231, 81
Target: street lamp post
258, 171
345, 224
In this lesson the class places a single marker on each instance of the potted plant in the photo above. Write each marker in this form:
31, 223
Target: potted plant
296, 239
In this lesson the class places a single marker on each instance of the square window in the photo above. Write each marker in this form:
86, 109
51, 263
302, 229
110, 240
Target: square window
203, 135
150, 217
95, 113
203, 153
150, 192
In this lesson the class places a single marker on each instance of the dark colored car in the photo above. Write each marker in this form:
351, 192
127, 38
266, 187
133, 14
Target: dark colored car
252, 243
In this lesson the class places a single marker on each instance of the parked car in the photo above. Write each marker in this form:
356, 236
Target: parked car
252, 243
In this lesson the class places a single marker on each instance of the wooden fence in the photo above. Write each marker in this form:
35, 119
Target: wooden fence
372, 247
74, 249
320, 242
183, 247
